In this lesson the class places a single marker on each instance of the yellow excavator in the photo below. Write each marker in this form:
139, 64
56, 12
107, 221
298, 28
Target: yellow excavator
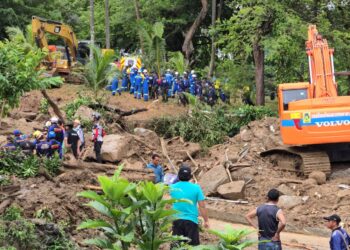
61, 60
56, 61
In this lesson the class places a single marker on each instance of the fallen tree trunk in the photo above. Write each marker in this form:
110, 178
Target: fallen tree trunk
54, 106
116, 110
79, 164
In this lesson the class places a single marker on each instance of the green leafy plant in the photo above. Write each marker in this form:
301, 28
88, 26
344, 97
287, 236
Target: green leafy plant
99, 71
73, 106
19, 62
44, 106
178, 62
134, 214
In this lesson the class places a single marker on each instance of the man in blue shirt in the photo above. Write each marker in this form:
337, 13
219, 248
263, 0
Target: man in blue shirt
157, 168
186, 223
340, 239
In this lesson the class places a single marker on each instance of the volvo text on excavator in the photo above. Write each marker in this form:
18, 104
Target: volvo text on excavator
314, 120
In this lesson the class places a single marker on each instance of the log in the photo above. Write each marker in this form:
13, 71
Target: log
92, 187
229, 201
281, 181
229, 174
79, 164
165, 153
4, 204
54, 106
116, 110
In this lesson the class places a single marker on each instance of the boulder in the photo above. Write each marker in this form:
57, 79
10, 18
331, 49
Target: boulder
115, 147
149, 136
285, 190
309, 182
246, 134
84, 113
290, 201
212, 179
319, 176
232, 190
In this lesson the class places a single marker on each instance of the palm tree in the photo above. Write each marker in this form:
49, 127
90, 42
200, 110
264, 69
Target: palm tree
99, 71
154, 43
178, 62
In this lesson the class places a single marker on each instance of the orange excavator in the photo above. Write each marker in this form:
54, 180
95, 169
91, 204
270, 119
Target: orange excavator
314, 120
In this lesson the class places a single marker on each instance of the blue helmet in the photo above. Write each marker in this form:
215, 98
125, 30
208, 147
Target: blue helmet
17, 132
52, 135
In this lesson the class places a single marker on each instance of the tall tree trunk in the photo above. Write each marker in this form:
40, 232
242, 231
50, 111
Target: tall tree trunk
108, 37
92, 28
258, 54
186, 47
221, 6
138, 18
213, 47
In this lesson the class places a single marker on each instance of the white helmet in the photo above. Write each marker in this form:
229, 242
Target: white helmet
176, 73
185, 73
194, 75
48, 124
145, 71
192, 71
168, 70
96, 115
54, 119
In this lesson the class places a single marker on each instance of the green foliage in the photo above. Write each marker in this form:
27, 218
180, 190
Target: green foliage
177, 61
44, 106
133, 214
209, 127
73, 106
154, 45
16, 232
99, 71
18, 69
26, 165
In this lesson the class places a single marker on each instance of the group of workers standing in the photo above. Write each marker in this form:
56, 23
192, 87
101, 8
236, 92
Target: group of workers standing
143, 84
55, 137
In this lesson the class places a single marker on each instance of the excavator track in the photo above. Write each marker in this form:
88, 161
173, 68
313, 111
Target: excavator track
306, 159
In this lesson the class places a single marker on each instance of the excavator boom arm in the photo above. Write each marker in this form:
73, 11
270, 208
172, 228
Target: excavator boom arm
40, 26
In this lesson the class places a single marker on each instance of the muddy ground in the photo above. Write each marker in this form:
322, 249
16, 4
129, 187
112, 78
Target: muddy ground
259, 174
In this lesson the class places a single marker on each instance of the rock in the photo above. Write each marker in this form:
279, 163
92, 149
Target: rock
319, 176
212, 179
42, 118
309, 182
232, 190
290, 201
84, 113
148, 135
244, 173
285, 190
246, 134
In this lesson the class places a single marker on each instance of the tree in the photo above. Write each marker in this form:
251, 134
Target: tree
99, 71
19, 62
154, 44
187, 46
213, 47
92, 29
108, 39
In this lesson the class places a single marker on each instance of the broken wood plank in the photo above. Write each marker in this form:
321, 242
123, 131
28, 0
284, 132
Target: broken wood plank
229, 201
229, 174
165, 153
92, 187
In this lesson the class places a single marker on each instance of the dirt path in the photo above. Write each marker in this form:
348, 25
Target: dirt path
309, 241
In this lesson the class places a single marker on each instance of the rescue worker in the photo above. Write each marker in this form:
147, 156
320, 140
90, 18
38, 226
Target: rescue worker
42, 147
19, 136
10, 144
124, 86
115, 85
133, 74
212, 97
138, 82
164, 89
169, 79
193, 84
145, 85
157, 168
55, 127
176, 84
97, 136
54, 145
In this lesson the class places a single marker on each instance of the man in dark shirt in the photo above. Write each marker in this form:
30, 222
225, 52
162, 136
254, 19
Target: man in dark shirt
340, 239
271, 222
